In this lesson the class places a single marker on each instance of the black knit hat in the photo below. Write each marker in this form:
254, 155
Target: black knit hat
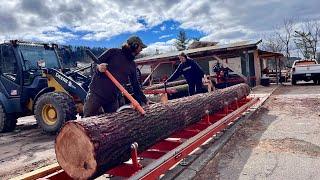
136, 39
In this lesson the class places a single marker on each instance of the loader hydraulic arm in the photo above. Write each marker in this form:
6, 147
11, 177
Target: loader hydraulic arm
62, 82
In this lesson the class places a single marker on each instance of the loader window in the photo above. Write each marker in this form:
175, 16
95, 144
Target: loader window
9, 66
32, 55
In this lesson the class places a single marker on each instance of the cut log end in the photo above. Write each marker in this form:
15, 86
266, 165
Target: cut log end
79, 163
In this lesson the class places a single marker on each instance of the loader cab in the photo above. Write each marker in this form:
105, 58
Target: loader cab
34, 58
10, 71
21, 62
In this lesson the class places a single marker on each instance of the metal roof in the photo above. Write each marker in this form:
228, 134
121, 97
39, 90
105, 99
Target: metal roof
190, 52
267, 54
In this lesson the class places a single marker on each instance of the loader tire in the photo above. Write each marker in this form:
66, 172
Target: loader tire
53, 109
7, 121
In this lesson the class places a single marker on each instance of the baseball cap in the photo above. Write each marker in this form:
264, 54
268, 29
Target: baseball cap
136, 39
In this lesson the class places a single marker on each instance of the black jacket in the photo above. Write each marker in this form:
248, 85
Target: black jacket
122, 66
191, 71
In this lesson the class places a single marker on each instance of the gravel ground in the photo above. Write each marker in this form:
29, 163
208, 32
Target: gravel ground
281, 141
25, 149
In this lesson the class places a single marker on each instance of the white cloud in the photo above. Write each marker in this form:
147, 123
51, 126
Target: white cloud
165, 36
160, 47
222, 21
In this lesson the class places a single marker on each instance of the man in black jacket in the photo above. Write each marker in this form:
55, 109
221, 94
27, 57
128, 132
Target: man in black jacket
191, 71
120, 62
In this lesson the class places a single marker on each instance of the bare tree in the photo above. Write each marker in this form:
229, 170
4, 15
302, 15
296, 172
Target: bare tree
286, 34
307, 38
303, 42
272, 42
313, 27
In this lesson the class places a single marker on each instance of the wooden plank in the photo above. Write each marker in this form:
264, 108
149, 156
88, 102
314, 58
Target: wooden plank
39, 173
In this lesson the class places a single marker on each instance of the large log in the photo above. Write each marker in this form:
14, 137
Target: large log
88, 147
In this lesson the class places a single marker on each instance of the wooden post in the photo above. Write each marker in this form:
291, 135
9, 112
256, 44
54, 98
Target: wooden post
149, 76
247, 68
277, 78
280, 73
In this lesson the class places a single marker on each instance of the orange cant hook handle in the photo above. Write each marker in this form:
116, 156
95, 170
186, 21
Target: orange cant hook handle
134, 102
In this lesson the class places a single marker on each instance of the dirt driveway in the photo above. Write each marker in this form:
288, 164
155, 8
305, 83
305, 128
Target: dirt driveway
282, 141
25, 149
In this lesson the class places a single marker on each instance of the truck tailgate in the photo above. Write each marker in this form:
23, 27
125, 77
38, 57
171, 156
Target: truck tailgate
301, 69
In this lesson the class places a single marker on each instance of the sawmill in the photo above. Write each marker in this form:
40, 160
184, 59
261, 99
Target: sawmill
145, 142
159, 90
129, 144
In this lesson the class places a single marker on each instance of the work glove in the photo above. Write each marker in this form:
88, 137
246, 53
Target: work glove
102, 67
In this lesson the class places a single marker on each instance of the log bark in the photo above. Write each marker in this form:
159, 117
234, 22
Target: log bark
89, 147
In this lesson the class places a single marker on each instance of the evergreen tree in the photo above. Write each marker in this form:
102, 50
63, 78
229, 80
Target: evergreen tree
182, 41
71, 54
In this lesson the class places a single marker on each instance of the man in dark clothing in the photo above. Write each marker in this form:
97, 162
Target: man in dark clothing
226, 71
120, 63
191, 71
217, 68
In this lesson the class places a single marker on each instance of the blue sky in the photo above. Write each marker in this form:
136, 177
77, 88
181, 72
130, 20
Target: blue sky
108, 23
159, 33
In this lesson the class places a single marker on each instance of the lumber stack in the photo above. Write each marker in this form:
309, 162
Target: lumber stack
88, 147
169, 84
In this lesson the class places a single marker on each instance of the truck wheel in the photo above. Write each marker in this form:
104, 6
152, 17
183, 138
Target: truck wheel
53, 109
293, 81
7, 122
315, 81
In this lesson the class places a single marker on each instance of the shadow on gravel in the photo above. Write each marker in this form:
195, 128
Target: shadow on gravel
237, 151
